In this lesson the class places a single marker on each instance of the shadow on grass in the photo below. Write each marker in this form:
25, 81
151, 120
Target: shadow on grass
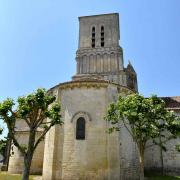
154, 176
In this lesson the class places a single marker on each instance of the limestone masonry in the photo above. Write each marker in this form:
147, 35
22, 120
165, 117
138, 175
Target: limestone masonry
81, 149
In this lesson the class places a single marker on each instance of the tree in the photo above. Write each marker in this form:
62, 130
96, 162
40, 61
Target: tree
2, 144
145, 119
38, 110
5, 144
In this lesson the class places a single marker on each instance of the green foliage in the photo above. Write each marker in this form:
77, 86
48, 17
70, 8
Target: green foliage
145, 118
7, 176
38, 104
155, 176
38, 110
1, 130
3, 143
178, 147
34, 109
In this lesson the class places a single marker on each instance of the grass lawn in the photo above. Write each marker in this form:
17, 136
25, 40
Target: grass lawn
7, 176
152, 176
163, 178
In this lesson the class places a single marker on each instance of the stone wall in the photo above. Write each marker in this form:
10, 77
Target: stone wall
111, 30
96, 157
129, 162
16, 161
82, 159
171, 158
100, 60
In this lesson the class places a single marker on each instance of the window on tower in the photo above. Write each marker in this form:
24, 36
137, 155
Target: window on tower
102, 36
80, 128
93, 43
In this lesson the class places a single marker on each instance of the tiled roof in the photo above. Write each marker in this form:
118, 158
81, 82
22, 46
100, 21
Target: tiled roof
172, 102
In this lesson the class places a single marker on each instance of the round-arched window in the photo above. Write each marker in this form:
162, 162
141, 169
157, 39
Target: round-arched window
80, 128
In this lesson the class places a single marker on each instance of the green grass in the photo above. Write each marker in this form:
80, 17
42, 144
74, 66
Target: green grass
152, 176
7, 176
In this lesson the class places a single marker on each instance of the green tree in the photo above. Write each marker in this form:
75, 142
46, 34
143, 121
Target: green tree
2, 143
38, 110
145, 119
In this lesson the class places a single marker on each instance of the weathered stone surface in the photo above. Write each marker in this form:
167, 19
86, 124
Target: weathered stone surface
171, 157
105, 62
16, 159
96, 157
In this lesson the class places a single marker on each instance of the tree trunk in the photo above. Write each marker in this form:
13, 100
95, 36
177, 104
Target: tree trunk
7, 151
28, 156
141, 161
161, 156
27, 166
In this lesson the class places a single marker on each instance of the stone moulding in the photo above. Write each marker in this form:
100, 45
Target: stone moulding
90, 51
83, 84
96, 84
79, 114
93, 84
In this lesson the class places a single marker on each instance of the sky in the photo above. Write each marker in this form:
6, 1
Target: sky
38, 41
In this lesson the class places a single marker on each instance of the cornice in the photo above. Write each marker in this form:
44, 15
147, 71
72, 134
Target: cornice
100, 51
91, 83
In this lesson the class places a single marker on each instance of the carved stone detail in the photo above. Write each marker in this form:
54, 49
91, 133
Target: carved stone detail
79, 114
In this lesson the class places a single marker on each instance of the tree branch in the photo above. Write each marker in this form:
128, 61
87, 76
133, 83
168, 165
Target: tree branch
12, 134
42, 136
127, 128
28, 123
21, 149
40, 121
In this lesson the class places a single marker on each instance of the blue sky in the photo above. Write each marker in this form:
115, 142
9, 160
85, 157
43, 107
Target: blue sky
38, 41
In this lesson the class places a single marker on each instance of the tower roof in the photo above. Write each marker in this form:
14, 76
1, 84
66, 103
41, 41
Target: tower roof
130, 66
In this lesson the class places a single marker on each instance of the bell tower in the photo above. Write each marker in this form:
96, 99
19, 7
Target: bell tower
99, 55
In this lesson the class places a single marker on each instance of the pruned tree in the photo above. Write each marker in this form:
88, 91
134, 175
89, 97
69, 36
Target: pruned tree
145, 119
3, 142
34, 109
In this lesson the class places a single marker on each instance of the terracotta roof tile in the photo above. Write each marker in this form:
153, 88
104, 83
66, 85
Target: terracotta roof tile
172, 102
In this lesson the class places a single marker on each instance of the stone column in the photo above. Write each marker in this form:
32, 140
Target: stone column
98, 64
109, 63
120, 59
95, 63
91, 64
84, 64
112, 62
105, 59
88, 65
81, 65
77, 66
116, 62
102, 62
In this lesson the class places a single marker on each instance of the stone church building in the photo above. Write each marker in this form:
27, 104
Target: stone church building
81, 149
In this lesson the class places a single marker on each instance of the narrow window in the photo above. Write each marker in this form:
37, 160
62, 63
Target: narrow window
102, 36
80, 128
93, 38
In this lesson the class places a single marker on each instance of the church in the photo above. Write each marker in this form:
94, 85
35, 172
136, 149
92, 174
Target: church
82, 149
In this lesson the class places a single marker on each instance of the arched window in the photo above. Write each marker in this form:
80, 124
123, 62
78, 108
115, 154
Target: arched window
102, 36
93, 43
80, 128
